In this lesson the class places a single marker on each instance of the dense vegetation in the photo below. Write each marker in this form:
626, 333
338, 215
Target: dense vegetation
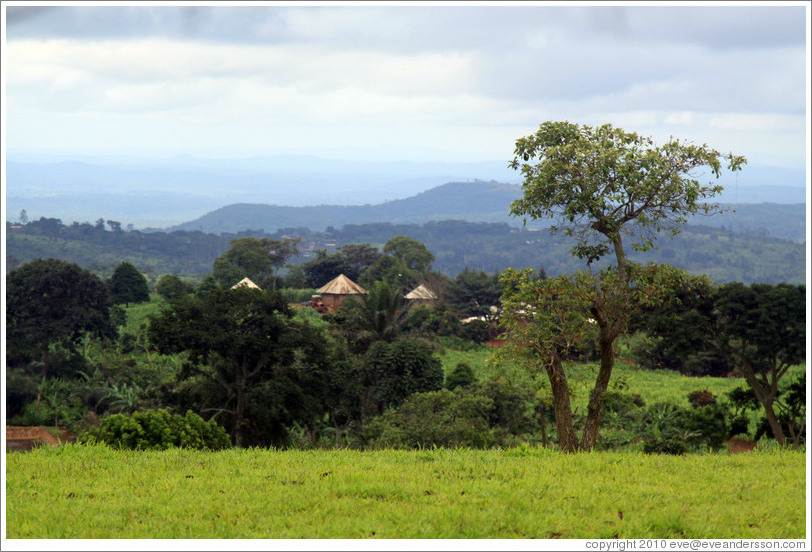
746, 255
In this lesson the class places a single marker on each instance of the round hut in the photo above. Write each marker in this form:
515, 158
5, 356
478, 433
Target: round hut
336, 290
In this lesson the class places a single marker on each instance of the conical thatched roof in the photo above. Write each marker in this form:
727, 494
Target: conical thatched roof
421, 293
247, 283
341, 285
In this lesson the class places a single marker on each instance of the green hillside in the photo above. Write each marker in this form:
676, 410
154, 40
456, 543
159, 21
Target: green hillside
721, 253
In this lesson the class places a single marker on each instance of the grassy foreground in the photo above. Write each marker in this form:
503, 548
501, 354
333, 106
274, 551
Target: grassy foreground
96, 492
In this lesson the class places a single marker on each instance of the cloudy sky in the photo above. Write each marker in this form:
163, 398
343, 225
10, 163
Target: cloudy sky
409, 81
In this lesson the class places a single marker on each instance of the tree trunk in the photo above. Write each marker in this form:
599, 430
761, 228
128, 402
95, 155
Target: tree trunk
567, 439
766, 397
239, 409
543, 421
596, 404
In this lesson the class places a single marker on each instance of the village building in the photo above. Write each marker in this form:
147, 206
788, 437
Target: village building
421, 295
246, 282
337, 290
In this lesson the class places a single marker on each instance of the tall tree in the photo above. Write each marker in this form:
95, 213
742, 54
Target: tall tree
600, 185
413, 253
248, 358
50, 301
128, 285
473, 293
258, 259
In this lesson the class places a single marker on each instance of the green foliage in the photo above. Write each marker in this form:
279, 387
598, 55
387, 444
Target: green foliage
477, 416
461, 376
393, 371
744, 255
128, 285
473, 293
411, 252
51, 301
594, 181
254, 258
158, 429
170, 287
324, 267
439, 418
660, 445
249, 361
621, 403
379, 316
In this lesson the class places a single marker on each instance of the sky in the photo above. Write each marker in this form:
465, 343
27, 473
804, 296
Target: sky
410, 81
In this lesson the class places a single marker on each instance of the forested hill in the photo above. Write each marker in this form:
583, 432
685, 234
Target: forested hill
469, 201
721, 253
480, 202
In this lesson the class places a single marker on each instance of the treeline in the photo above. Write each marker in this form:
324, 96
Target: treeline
721, 253
367, 374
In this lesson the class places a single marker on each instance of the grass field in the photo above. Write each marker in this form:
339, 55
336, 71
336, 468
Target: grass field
652, 385
96, 492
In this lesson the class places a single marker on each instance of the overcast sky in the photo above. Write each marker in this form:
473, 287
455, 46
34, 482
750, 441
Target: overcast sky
402, 81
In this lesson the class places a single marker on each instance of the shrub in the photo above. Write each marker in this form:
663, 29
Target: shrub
460, 376
438, 418
701, 398
477, 331
479, 415
703, 425
621, 403
158, 429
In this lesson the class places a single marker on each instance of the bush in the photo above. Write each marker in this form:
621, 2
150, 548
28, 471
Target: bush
480, 415
701, 398
621, 403
477, 331
460, 376
158, 429
439, 418
665, 446
703, 425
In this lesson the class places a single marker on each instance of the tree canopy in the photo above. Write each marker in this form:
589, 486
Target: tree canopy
256, 365
600, 184
50, 301
255, 258
128, 285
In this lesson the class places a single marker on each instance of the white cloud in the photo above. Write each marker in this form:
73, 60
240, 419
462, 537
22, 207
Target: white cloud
473, 77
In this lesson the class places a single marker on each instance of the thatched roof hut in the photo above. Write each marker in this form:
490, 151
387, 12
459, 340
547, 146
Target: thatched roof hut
246, 282
421, 295
338, 289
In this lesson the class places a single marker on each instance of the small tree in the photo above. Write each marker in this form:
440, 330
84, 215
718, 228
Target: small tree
258, 259
601, 185
128, 285
763, 329
170, 286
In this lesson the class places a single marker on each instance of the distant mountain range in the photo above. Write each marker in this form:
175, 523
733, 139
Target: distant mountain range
477, 202
160, 193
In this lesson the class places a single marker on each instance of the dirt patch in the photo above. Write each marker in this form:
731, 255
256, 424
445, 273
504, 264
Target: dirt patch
736, 446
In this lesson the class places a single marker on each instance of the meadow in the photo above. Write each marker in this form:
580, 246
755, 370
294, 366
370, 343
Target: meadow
88, 492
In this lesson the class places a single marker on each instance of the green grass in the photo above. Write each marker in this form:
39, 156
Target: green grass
653, 386
96, 492
138, 313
